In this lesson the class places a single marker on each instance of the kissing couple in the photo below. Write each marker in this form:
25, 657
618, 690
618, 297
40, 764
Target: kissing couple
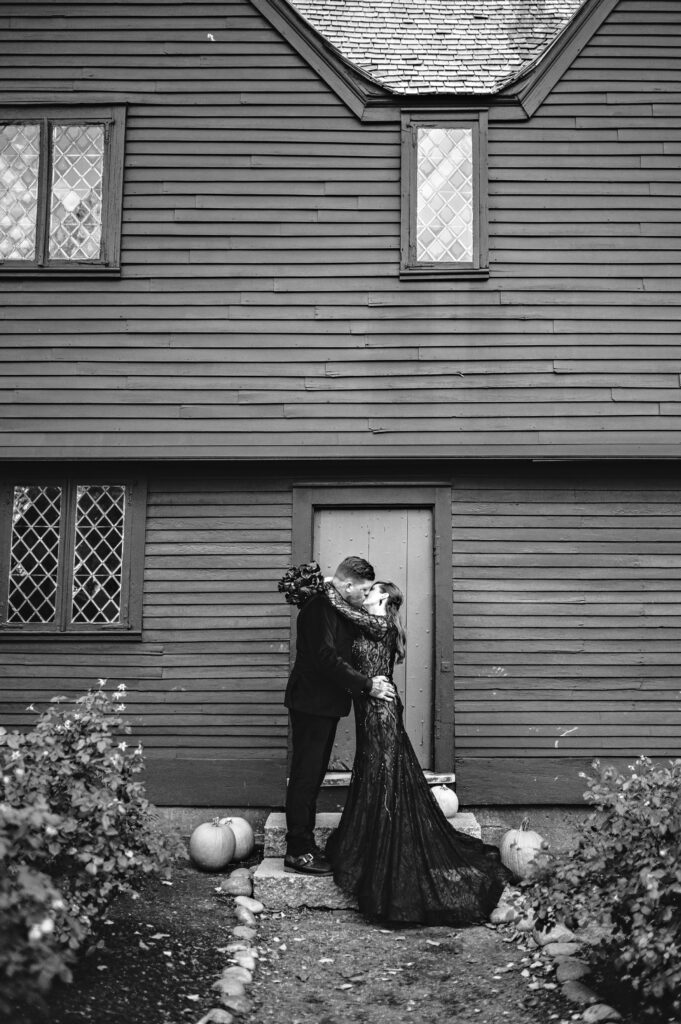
393, 850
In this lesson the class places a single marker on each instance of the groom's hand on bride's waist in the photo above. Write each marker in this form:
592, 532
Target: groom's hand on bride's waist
382, 688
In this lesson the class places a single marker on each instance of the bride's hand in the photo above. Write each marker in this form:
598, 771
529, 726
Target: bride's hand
382, 688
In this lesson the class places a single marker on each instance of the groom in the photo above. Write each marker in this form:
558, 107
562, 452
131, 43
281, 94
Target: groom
319, 692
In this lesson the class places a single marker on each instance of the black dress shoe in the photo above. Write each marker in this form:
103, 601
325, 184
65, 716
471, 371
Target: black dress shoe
307, 864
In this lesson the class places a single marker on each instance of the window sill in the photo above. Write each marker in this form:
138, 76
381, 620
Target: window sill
446, 274
58, 273
65, 635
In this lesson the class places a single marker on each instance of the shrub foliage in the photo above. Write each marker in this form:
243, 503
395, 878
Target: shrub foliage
75, 830
624, 876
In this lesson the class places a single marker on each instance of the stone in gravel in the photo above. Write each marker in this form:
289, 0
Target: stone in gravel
559, 933
237, 886
562, 948
217, 1016
600, 1012
578, 993
240, 973
232, 947
255, 906
245, 960
228, 987
526, 924
238, 1004
240, 873
502, 914
571, 970
244, 916
242, 932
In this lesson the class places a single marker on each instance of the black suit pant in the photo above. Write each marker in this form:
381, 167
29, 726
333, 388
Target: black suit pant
312, 738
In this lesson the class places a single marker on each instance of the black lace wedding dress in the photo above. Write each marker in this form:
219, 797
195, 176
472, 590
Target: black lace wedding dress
394, 850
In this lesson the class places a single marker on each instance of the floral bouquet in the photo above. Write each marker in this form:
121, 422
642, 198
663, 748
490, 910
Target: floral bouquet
301, 582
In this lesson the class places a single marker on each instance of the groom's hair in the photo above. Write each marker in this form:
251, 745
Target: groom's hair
355, 568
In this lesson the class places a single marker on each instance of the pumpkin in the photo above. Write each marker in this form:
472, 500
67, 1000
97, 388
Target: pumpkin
243, 834
211, 846
447, 800
519, 847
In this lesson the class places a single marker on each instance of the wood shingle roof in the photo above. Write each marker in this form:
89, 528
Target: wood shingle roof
414, 47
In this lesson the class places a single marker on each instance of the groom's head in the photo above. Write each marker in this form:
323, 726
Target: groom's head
353, 578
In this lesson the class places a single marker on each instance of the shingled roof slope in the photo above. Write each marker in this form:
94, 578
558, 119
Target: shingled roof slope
464, 47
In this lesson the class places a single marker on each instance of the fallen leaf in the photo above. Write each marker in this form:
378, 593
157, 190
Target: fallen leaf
194, 999
431, 942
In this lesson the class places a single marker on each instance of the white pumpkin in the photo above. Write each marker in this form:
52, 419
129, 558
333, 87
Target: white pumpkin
243, 834
519, 847
447, 799
211, 846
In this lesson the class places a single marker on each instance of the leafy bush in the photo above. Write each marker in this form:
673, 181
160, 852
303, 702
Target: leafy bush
75, 830
625, 875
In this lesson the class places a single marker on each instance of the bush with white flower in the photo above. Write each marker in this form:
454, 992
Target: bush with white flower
75, 830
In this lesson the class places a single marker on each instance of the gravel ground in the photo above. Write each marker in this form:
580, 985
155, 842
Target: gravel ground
161, 954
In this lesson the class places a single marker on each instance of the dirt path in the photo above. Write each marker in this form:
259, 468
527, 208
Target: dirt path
161, 953
335, 968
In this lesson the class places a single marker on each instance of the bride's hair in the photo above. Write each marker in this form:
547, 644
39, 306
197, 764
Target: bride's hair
392, 611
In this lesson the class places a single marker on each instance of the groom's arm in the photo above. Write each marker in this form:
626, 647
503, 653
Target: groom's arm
320, 624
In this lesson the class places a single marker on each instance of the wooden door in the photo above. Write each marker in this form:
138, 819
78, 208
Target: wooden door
399, 544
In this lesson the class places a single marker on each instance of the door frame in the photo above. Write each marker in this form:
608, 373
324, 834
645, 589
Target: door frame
308, 499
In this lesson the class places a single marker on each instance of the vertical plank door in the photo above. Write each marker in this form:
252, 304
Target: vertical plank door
399, 545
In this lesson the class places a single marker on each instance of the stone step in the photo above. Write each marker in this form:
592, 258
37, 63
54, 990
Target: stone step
275, 830
283, 890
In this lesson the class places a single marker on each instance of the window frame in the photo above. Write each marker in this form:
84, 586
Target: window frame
411, 120
132, 573
112, 117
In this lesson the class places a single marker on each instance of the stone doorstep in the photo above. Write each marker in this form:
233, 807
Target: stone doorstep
284, 890
275, 830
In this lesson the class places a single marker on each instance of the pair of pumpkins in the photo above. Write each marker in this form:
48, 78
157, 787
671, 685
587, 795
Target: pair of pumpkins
214, 844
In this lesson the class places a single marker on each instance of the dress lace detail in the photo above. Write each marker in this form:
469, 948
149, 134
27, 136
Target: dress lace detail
394, 849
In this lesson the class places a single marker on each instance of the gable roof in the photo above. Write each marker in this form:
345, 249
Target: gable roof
452, 47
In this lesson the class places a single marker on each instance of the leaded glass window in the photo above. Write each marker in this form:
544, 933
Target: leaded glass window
76, 207
34, 559
98, 554
61, 189
19, 169
71, 555
444, 195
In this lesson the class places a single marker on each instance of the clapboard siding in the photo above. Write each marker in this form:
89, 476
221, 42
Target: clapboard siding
259, 308
205, 684
567, 592
567, 643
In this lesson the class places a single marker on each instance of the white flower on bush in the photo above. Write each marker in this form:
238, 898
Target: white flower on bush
119, 692
50, 830
123, 745
129, 853
102, 682
58, 904
37, 931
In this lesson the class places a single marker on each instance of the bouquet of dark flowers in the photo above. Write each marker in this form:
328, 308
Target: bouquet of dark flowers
301, 582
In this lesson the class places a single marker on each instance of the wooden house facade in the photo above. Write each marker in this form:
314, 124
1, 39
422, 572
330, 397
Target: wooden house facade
228, 343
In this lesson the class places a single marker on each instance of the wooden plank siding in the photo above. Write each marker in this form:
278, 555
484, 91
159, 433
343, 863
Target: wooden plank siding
205, 685
567, 646
567, 593
259, 309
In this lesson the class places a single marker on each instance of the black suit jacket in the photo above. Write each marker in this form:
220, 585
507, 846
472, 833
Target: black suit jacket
323, 681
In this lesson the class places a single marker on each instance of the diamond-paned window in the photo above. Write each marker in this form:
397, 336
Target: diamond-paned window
34, 557
76, 208
98, 553
61, 189
444, 232
444, 212
19, 175
71, 555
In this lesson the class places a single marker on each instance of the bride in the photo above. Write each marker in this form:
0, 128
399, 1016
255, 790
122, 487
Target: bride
394, 850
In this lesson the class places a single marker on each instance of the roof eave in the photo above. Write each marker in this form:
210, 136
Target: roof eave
534, 83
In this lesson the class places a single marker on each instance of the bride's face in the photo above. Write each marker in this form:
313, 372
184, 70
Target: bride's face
376, 600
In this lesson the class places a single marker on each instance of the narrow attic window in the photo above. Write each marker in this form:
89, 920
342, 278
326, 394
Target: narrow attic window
444, 230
